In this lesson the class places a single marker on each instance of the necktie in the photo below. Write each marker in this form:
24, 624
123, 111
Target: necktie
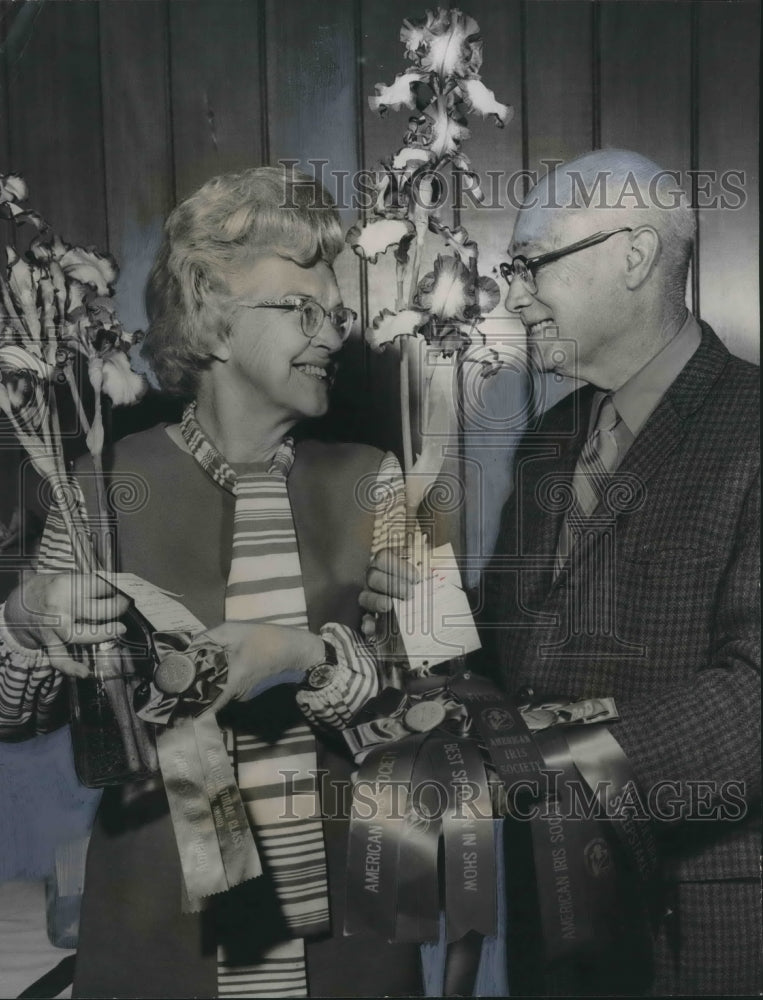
598, 459
265, 585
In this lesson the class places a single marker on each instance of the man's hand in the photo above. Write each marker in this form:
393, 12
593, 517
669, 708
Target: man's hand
53, 610
388, 576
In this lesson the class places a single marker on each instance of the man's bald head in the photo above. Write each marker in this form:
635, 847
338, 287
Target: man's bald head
618, 298
605, 190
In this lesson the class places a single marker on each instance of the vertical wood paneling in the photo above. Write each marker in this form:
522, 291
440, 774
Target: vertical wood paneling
9, 451
56, 135
498, 155
312, 92
137, 142
559, 89
645, 76
311, 69
215, 79
311, 104
382, 60
7, 13
728, 120
645, 79
113, 109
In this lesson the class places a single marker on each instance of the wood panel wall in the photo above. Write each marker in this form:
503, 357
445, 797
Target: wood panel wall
115, 109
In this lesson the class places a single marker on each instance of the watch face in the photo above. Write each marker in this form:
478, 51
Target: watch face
320, 676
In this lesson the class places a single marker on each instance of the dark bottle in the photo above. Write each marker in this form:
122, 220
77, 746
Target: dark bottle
112, 745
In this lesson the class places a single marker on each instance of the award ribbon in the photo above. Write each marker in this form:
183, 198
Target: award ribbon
377, 823
418, 883
216, 846
468, 838
215, 842
581, 892
578, 900
392, 870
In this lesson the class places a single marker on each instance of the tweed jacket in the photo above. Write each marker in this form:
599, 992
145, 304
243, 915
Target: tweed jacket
658, 604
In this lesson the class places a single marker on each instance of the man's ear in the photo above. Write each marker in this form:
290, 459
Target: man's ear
642, 255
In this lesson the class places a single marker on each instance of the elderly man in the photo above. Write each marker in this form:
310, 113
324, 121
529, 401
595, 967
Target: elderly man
627, 559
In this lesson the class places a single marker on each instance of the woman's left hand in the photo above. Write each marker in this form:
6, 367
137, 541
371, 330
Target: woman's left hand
256, 652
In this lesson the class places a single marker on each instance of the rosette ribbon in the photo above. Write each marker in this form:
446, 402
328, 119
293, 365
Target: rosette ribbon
189, 675
423, 755
421, 778
215, 843
596, 867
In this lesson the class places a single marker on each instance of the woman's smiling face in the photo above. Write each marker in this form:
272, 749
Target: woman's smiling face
269, 354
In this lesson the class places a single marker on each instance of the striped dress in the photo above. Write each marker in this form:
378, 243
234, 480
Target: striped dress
265, 555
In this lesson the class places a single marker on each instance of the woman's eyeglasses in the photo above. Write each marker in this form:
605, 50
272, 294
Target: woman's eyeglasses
524, 268
312, 316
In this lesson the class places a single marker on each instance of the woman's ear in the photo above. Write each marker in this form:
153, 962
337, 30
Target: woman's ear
219, 336
219, 347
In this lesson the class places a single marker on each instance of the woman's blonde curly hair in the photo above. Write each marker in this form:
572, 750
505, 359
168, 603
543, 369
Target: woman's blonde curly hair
229, 220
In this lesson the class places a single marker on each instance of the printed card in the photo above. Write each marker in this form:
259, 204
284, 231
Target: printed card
436, 624
164, 613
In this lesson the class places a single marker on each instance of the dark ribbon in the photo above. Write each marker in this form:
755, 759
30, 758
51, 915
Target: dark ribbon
418, 883
377, 824
595, 879
587, 906
468, 838
441, 788
578, 902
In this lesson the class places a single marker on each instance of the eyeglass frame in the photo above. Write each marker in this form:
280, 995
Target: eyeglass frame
531, 264
300, 308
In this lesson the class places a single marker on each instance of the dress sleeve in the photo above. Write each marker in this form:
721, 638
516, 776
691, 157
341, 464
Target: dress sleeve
357, 675
31, 691
390, 518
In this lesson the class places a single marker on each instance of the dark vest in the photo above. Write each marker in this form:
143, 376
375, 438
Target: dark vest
134, 941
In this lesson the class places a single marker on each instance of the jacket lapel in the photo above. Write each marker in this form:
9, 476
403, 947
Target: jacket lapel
659, 437
666, 427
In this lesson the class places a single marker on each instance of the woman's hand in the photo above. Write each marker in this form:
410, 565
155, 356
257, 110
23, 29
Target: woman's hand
256, 652
51, 610
388, 576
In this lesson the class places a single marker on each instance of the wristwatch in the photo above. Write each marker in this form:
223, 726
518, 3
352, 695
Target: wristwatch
322, 673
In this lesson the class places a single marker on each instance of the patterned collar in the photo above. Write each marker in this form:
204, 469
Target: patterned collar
215, 464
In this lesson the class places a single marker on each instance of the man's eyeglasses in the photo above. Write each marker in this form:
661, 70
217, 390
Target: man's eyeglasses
312, 316
524, 268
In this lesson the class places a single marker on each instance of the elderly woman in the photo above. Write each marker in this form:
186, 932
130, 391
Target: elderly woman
245, 321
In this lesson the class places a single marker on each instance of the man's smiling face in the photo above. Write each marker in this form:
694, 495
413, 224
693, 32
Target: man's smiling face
577, 297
